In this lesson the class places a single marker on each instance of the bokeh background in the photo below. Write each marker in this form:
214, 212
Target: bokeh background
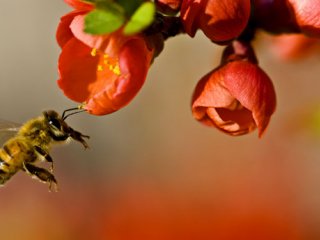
152, 171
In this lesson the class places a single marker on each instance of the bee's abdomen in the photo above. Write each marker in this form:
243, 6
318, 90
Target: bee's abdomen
5, 176
11, 159
6, 168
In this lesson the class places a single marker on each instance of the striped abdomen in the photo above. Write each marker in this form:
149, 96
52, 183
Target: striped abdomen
12, 156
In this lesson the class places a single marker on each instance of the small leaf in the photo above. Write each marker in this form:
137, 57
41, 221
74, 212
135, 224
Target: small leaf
109, 5
103, 21
141, 19
130, 6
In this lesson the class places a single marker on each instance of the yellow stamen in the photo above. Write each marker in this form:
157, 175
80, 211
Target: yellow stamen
100, 68
108, 63
82, 105
94, 52
116, 70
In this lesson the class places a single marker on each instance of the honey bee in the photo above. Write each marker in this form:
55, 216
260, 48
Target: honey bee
32, 142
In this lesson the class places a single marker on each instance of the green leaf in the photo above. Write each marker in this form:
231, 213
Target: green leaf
103, 21
141, 19
130, 6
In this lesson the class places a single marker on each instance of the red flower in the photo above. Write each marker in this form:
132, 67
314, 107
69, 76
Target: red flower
236, 97
307, 14
168, 6
220, 20
294, 46
106, 71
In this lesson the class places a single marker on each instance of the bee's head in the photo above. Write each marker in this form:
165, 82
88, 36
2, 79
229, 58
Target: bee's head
55, 122
59, 129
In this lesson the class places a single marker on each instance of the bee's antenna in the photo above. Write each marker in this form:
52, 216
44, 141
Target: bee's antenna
67, 110
79, 108
82, 110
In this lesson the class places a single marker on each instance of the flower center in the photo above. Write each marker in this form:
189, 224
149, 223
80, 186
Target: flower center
107, 62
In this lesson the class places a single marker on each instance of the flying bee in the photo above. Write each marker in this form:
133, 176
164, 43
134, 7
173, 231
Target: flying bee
32, 142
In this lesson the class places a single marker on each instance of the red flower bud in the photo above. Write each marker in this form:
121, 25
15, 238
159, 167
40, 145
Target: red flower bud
105, 72
307, 14
168, 6
236, 97
220, 20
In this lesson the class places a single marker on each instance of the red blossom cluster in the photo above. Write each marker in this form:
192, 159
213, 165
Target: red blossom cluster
106, 71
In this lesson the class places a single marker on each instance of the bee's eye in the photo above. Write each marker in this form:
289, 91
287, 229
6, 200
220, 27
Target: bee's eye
55, 123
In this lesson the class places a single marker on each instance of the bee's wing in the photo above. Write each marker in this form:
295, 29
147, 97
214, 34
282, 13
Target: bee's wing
7, 130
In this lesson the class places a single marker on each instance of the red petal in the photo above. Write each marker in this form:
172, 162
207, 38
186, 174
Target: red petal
64, 33
77, 70
294, 46
190, 10
224, 20
252, 87
220, 20
134, 62
236, 98
307, 14
213, 106
168, 6
109, 43
80, 5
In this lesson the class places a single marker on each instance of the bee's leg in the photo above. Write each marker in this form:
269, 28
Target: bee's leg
78, 136
42, 174
46, 156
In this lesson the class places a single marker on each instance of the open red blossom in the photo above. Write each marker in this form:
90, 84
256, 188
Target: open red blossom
106, 71
236, 97
220, 20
